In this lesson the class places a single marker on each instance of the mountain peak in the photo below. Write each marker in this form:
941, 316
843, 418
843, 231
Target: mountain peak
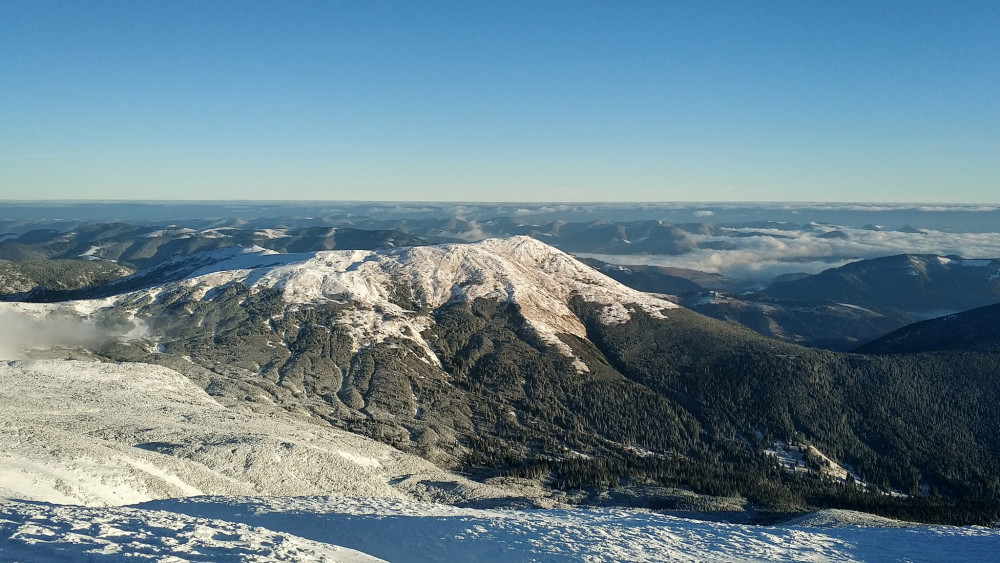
540, 279
394, 292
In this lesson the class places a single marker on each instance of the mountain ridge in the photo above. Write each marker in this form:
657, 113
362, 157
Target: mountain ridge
975, 329
910, 282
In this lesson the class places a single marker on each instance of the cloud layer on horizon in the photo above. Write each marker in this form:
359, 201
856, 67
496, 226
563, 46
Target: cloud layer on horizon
761, 258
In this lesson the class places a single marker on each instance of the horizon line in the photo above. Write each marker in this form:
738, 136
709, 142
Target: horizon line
510, 202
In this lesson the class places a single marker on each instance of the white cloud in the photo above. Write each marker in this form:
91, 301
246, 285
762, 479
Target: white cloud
704, 213
760, 258
20, 332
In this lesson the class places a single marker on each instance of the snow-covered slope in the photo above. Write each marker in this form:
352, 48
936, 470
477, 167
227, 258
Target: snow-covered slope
110, 434
97, 433
301, 529
52, 533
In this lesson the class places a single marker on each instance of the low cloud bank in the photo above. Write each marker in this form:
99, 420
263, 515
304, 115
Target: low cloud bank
761, 258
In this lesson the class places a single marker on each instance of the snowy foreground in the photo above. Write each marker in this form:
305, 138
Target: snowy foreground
344, 529
132, 462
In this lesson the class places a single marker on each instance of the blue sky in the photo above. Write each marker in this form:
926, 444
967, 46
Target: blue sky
501, 101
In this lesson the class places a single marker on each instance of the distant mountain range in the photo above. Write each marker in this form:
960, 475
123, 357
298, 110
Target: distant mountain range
919, 284
655, 237
839, 308
145, 246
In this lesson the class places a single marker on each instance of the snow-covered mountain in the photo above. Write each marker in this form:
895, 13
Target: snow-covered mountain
391, 293
394, 292
353, 337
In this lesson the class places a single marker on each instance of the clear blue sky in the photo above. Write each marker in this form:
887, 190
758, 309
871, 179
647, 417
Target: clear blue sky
501, 101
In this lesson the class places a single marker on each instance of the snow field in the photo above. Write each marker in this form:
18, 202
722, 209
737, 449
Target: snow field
45, 532
352, 529
103, 434
432, 532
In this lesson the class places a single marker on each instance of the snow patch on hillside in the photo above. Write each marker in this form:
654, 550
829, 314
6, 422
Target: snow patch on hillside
271, 233
792, 457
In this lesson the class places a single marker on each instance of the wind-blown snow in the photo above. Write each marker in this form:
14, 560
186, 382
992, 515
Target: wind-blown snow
111, 434
255, 529
41, 325
45, 532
